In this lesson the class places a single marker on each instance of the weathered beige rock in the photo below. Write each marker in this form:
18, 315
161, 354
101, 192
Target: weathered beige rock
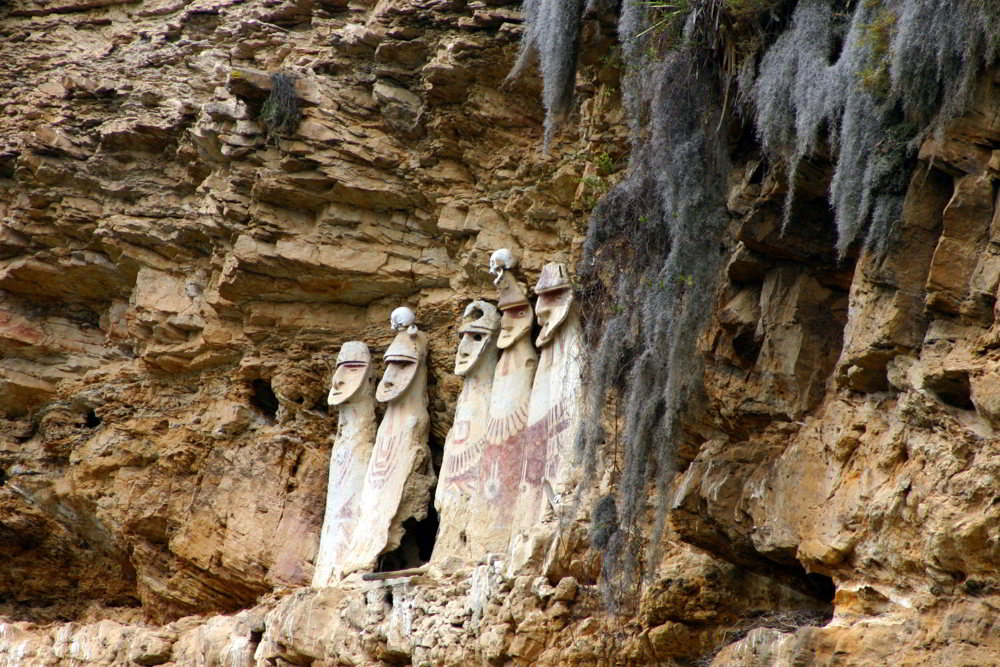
955, 283
458, 490
176, 285
351, 392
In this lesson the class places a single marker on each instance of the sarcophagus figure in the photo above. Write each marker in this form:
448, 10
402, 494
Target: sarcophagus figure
399, 477
458, 489
503, 464
554, 409
351, 393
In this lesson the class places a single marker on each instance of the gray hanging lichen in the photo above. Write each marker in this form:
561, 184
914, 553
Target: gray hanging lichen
653, 244
868, 79
905, 65
551, 35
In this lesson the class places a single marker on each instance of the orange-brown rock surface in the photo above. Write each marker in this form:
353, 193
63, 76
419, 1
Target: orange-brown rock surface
176, 279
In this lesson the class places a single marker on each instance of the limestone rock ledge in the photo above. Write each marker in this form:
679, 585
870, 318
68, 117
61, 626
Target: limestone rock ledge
175, 278
451, 614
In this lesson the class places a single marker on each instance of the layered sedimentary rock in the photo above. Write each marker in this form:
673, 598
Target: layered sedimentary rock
176, 278
175, 291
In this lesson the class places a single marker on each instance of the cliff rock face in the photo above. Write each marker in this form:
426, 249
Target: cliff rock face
176, 281
177, 275
856, 421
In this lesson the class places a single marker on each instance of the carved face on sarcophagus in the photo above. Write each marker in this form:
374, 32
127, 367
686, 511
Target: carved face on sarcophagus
479, 327
517, 314
353, 374
402, 360
555, 299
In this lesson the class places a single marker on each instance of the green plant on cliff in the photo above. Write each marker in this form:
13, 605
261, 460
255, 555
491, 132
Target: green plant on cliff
876, 37
281, 111
605, 164
732, 31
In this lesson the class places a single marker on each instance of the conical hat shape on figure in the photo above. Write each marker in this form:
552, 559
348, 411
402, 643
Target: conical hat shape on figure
555, 300
517, 316
351, 392
404, 347
480, 317
509, 293
553, 277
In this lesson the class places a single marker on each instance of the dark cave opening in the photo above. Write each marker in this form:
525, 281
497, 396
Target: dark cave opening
820, 586
263, 397
321, 406
416, 547
951, 388
746, 346
91, 420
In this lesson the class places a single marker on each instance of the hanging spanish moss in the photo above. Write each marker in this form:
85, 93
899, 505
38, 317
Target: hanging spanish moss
906, 67
552, 37
665, 219
867, 79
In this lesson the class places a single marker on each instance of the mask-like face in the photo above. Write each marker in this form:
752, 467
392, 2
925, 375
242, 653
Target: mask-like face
516, 322
348, 380
552, 308
397, 378
470, 349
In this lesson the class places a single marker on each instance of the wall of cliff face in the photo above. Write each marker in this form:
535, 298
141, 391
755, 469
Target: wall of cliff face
176, 280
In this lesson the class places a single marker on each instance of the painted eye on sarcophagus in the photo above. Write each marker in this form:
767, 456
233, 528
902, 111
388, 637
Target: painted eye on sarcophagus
353, 368
553, 298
